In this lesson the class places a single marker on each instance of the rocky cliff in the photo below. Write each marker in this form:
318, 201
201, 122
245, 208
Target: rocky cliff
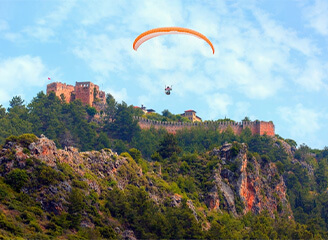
246, 184
241, 183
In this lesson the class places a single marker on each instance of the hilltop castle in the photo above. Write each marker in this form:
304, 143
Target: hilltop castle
89, 94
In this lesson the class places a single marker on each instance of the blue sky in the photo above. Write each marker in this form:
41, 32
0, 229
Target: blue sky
271, 60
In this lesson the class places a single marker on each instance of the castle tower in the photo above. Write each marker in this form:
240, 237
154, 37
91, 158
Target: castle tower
89, 93
61, 88
85, 92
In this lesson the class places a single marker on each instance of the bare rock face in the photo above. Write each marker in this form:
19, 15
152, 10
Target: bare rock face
128, 235
212, 199
45, 150
247, 185
227, 192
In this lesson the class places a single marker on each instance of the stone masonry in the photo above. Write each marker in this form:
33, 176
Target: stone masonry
256, 127
87, 92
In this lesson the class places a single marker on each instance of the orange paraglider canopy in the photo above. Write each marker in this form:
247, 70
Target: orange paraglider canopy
143, 37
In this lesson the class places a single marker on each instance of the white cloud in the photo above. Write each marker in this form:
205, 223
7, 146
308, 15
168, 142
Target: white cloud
58, 15
150, 14
317, 16
150, 85
218, 105
242, 110
4, 96
94, 12
120, 95
303, 123
12, 36
178, 52
195, 83
313, 76
45, 27
286, 37
104, 54
41, 33
21, 74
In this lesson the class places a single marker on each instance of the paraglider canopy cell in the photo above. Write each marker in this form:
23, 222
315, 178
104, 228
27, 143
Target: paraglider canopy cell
145, 36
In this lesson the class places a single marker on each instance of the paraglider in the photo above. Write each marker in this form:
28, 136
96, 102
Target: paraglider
143, 37
168, 90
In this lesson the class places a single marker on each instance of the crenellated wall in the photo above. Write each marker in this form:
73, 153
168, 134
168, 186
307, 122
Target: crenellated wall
87, 92
61, 88
256, 127
90, 94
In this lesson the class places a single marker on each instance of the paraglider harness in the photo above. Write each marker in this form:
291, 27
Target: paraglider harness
168, 90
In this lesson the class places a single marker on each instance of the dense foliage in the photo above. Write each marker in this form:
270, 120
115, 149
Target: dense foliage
181, 159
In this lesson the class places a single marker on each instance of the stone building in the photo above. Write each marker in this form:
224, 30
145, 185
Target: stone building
191, 115
87, 92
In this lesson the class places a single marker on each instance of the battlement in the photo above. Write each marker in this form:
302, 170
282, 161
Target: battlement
256, 127
61, 88
87, 92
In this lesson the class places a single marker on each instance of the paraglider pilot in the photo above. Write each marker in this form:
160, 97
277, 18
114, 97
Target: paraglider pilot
168, 90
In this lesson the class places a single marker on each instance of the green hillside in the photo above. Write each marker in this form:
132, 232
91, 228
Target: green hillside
67, 174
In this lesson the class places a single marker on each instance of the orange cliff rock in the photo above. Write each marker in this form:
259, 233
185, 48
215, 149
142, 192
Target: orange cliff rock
257, 185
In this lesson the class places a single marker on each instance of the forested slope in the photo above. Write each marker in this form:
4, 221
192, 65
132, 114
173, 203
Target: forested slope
128, 182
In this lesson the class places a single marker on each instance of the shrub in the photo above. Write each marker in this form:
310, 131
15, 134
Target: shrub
49, 176
17, 178
108, 232
26, 151
156, 157
126, 155
25, 140
235, 149
9, 226
135, 153
27, 217
80, 184
250, 166
35, 226
265, 159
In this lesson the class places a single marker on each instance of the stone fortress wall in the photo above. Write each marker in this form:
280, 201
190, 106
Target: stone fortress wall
256, 127
61, 88
90, 94
87, 92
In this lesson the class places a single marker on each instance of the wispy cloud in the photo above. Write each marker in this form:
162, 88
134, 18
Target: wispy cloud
303, 123
218, 104
242, 110
314, 76
45, 28
21, 74
120, 95
286, 38
39, 32
317, 16
103, 54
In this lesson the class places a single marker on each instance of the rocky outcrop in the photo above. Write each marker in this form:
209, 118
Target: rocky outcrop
91, 167
246, 185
